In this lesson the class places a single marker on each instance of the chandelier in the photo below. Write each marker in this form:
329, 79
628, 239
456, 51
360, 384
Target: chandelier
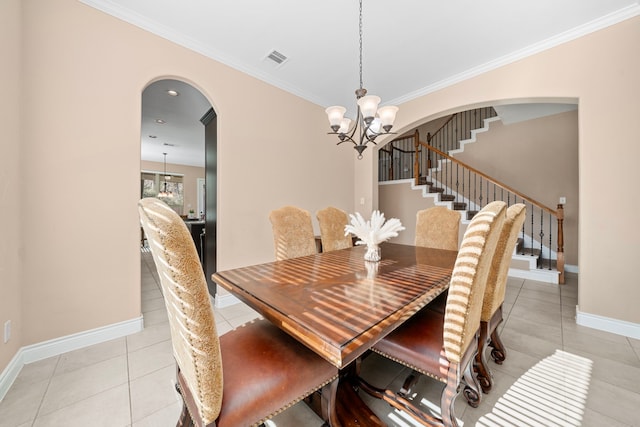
371, 121
164, 192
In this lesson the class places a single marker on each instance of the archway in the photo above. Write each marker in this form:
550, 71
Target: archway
178, 154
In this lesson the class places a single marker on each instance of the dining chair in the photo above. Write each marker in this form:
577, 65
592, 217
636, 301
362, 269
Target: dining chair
292, 232
243, 377
332, 222
438, 227
443, 345
491, 315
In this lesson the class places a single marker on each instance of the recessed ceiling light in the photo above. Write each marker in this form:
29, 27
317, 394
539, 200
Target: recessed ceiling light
172, 92
160, 121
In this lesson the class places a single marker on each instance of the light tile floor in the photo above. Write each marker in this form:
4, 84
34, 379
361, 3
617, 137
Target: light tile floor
129, 381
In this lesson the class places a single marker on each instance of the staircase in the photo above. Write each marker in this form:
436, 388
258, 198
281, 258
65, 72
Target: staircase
460, 187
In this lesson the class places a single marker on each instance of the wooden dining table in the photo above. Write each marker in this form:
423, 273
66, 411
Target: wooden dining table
336, 303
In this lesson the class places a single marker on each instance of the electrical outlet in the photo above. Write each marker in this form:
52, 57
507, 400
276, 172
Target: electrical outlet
7, 331
362, 200
563, 200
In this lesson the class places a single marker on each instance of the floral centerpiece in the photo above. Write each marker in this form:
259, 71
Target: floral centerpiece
373, 232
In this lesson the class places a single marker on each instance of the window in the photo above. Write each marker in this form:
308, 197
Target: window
153, 183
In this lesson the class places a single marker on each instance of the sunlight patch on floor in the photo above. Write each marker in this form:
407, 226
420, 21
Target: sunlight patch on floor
552, 393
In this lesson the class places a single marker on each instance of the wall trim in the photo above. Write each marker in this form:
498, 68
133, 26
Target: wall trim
607, 324
10, 374
552, 276
217, 55
225, 300
54, 347
570, 268
613, 18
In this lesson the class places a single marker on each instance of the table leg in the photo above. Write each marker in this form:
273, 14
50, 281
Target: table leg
350, 409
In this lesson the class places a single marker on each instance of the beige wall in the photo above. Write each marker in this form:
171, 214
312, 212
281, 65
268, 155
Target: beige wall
539, 158
190, 180
82, 77
599, 71
10, 203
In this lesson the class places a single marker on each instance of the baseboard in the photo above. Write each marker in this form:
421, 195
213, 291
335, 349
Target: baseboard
10, 374
536, 274
607, 324
568, 268
57, 346
225, 300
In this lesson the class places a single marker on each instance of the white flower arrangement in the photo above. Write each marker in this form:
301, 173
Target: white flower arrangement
373, 232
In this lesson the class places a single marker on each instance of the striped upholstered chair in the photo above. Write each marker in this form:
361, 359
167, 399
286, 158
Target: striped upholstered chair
292, 232
243, 377
332, 222
443, 345
491, 315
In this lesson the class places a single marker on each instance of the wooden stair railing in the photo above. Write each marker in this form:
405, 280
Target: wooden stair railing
458, 128
470, 189
463, 184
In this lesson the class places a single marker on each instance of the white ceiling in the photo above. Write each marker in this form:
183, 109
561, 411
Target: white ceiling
182, 134
410, 47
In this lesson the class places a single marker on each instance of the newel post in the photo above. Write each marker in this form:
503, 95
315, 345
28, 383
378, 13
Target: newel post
416, 160
560, 251
428, 151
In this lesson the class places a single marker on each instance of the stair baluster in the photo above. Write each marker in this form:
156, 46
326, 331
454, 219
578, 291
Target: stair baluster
430, 164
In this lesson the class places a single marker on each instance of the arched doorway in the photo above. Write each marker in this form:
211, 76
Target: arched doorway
178, 154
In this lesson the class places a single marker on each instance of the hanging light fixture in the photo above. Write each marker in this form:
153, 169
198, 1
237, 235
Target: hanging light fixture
371, 121
164, 192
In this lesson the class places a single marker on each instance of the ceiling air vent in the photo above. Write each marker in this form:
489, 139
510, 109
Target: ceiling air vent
277, 57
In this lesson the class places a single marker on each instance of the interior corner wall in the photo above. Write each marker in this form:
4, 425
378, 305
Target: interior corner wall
10, 201
599, 70
84, 73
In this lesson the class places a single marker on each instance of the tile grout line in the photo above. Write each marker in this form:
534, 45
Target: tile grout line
505, 321
37, 414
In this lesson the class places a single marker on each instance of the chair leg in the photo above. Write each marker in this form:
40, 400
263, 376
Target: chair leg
498, 352
481, 366
448, 398
408, 384
185, 418
472, 389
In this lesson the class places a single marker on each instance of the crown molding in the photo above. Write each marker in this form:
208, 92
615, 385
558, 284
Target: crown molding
575, 33
167, 33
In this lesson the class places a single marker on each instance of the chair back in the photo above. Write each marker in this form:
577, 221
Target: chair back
292, 232
468, 280
332, 222
497, 278
438, 227
194, 337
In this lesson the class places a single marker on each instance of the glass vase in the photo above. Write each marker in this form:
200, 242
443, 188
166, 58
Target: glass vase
373, 253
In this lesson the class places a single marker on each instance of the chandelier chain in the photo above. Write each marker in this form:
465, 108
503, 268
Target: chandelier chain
360, 28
